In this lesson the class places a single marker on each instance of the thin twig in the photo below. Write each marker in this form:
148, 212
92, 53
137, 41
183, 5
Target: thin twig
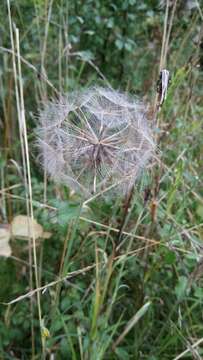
31, 66
200, 341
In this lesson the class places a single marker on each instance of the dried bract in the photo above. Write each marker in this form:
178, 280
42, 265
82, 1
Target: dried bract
95, 139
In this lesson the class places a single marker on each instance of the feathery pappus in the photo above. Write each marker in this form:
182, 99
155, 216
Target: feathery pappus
94, 139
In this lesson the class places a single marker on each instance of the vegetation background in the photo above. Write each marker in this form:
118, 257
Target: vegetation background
144, 302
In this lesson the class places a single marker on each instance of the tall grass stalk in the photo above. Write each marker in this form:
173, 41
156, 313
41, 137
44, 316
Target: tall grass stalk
25, 142
26, 166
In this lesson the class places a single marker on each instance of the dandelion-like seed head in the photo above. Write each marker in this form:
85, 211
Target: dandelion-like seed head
95, 139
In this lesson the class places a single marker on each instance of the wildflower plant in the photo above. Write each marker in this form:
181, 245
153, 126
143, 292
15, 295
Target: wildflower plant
95, 139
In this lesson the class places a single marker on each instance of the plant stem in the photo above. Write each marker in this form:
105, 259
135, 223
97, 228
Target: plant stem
127, 204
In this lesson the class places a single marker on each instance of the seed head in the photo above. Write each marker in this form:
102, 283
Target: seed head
95, 139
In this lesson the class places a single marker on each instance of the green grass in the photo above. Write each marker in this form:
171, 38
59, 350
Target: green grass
143, 301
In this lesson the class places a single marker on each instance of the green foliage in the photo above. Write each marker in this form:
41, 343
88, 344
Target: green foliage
75, 44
